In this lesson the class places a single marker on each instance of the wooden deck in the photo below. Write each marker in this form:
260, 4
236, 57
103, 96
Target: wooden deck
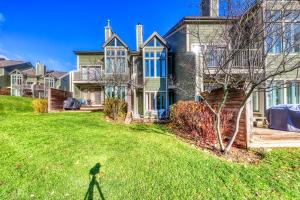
268, 138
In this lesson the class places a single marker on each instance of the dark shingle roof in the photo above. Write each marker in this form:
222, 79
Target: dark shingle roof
9, 63
56, 74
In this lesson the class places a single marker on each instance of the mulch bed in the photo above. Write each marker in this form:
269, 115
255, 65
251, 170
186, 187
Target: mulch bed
236, 155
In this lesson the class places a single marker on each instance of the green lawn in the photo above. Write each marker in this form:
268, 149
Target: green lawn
49, 156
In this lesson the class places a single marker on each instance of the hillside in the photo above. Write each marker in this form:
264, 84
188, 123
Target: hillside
15, 104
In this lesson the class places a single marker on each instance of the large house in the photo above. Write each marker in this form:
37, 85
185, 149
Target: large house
139, 76
35, 82
149, 77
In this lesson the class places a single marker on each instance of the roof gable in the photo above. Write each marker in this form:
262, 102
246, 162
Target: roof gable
115, 36
157, 36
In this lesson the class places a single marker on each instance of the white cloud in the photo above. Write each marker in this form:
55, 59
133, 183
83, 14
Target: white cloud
3, 56
2, 18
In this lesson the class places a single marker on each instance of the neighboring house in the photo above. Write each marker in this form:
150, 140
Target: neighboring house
34, 82
144, 74
183, 45
7, 66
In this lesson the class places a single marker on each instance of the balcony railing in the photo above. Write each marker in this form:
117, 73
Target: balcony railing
88, 75
239, 59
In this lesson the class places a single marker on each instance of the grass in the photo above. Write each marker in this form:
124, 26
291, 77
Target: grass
50, 156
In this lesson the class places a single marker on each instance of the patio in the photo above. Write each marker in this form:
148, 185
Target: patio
269, 138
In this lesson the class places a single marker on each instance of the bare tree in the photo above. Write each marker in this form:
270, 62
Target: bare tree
254, 44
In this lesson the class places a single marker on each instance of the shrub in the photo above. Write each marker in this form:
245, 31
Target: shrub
5, 91
196, 121
115, 108
40, 105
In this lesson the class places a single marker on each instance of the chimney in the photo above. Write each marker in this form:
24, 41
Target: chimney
210, 8
139, 36
108, 31
40, 69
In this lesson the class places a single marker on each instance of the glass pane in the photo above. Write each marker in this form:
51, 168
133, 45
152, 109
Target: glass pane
119, 44
158, 68
151, 43
152, 68
158, 43
147, 68
112, 43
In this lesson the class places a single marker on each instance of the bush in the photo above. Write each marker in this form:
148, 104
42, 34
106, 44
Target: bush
115, 108
40, 105
196, 121
5, 91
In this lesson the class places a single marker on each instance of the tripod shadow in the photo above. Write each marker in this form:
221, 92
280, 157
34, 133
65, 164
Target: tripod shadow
90, 192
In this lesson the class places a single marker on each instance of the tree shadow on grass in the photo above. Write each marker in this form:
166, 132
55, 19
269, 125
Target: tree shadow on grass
90, 192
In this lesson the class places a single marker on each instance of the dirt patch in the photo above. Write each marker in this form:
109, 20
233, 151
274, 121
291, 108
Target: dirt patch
236, 155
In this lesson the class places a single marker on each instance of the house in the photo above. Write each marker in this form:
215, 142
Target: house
7, 66
34, 82
158, 72
184, 45
139, 76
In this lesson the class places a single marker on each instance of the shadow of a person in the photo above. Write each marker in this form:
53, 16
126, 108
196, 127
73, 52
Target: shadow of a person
90, 192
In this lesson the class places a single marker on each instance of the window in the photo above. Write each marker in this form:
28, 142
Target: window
50, 82
116, 92
274, 38
275, 95
256, 101
282, 31
16, 79
214, 56
150, 101
161, 101
155, 101
115, 43
155, 42
293, 93
116, 61
155, 64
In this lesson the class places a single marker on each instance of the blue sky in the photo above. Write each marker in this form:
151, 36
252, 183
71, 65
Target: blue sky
50, 30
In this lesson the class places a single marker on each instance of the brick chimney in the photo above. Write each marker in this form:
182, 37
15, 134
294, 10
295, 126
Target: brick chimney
210, 8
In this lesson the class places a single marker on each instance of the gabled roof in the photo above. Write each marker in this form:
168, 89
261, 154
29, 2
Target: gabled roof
27, 72
10, 63
89, 52
56, 74
113, 37
158, 36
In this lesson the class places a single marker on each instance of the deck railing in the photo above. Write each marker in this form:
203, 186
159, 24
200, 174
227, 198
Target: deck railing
239, 58
88, 75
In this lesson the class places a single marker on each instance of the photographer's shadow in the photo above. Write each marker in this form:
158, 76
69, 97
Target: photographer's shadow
90, 192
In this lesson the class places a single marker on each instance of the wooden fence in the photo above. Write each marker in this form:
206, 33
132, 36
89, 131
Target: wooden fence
233, 103
56, 99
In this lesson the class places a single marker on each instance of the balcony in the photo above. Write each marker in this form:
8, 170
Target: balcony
239, 61
88, 76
